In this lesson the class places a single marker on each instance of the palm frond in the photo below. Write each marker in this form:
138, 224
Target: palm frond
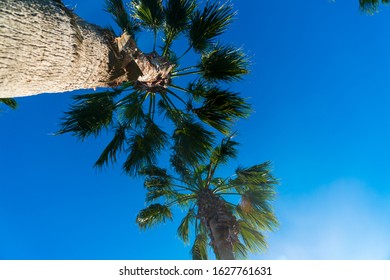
371, 6
265, 221
224, 63
153, 170
132, 109
115, 146
259, 174
177, 15
209, 23
144, 147
240, 251
10, 102
152, 215
149, 12
159, 182
220, 108
191, 141
253, 239
198, 89
225, 151
157, 193
199, 248
184, 228
89, 114
121, 16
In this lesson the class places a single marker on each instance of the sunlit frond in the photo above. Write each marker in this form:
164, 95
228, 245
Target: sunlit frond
209, 23
152, 215
253, 239
121, 16
224, 63
149, 12
199, 248
265, 221
255, 175
240, 251
184, 228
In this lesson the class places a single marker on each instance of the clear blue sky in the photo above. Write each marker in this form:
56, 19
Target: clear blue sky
320, 88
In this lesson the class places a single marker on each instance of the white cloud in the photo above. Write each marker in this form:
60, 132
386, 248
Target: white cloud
343, 220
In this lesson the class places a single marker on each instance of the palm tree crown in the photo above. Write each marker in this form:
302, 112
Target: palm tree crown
231, 229
155, 87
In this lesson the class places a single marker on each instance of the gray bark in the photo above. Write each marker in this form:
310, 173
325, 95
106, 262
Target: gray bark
44, 47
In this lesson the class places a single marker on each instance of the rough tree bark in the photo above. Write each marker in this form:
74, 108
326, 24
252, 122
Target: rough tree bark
220, 223
45, 47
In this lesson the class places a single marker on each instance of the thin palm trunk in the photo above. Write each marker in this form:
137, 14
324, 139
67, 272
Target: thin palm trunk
220, 222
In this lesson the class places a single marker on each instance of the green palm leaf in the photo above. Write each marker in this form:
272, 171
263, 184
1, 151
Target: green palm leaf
207, 24
149, 12
191, 141
199, 248
178, 14
117, 9
153, 170
220, 108
255, 175
152, 215
132, 108
183, 229
113, 148
225, 151
144, 147
371, 5
240, 251
253, 239
10, 102
265, 221
223, 63
90, 114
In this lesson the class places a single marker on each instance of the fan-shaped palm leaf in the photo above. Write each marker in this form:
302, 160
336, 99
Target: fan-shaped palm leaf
149, 12
177, 15
152, 215
90, 114
144, 147
220, 107
207, 24
191, 141
223, 63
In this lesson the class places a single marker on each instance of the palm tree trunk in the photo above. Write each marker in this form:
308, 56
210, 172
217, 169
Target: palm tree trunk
45, 47
220, 222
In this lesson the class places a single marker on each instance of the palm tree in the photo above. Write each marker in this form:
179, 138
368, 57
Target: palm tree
231, 229
186, 93
371, 5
